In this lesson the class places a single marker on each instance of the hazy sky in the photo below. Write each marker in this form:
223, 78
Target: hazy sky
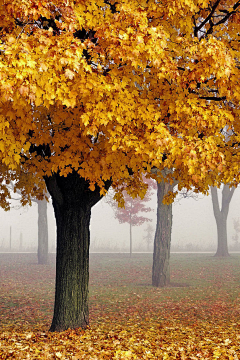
193, 222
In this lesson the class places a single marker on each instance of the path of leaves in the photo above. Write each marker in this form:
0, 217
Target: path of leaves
197, 317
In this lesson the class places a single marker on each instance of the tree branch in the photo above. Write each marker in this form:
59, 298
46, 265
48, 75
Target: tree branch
197, 28
213, 98
228, 14
227, 195
215, 202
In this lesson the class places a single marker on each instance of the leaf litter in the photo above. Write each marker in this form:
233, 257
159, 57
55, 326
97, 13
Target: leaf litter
129, 319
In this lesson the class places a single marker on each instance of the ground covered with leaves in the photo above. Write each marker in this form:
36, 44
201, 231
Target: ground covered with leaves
196, 317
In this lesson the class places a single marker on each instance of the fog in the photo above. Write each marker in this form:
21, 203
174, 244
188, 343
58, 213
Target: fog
193, 226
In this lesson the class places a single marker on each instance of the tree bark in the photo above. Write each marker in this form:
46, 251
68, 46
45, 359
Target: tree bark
42, 232
72, 202
162, 240
221, 218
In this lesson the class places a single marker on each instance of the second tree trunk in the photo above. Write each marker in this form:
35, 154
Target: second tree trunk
162, 240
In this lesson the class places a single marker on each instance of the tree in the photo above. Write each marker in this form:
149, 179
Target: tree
149, 235
42, 251
132, 210
221, 217
42, 232
97, 93
162, 239
235, 237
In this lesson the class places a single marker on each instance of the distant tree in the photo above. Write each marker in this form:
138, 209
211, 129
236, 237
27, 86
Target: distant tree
221, 217
133, 209
149, 235
42, 222
42, 231
236, 226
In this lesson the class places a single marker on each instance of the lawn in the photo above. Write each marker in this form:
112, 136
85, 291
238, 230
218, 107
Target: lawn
196, 317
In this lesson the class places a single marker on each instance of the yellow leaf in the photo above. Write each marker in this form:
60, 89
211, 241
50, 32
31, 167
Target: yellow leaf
69, 74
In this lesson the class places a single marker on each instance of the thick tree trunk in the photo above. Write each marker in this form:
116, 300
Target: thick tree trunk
72, 202
162, 240
221, 218
42, 232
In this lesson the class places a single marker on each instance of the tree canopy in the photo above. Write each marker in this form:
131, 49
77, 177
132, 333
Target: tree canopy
112, 89
97, 93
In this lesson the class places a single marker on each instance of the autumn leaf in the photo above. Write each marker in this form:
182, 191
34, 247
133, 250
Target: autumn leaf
69, 74
197, 316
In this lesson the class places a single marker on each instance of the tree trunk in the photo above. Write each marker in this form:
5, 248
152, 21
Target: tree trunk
42, 232
72, 202
162, 240
221, 218
222, 248
130, 227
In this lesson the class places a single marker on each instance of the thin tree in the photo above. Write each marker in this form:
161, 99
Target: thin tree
42, 231
42, 249
235, 237
133, 209
221, 215
149, 235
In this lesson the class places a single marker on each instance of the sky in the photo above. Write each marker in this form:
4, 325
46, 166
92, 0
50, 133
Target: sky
193, 223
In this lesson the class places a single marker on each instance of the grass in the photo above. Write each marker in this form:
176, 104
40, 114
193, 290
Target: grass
197, 316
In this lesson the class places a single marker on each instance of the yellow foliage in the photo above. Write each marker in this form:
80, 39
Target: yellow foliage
106, 88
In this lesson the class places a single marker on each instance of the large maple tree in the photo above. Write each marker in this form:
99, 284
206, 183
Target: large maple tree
95, 93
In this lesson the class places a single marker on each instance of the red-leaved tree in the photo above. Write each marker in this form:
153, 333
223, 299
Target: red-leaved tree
134, 208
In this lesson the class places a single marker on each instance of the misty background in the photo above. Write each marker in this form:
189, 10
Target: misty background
194, 226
